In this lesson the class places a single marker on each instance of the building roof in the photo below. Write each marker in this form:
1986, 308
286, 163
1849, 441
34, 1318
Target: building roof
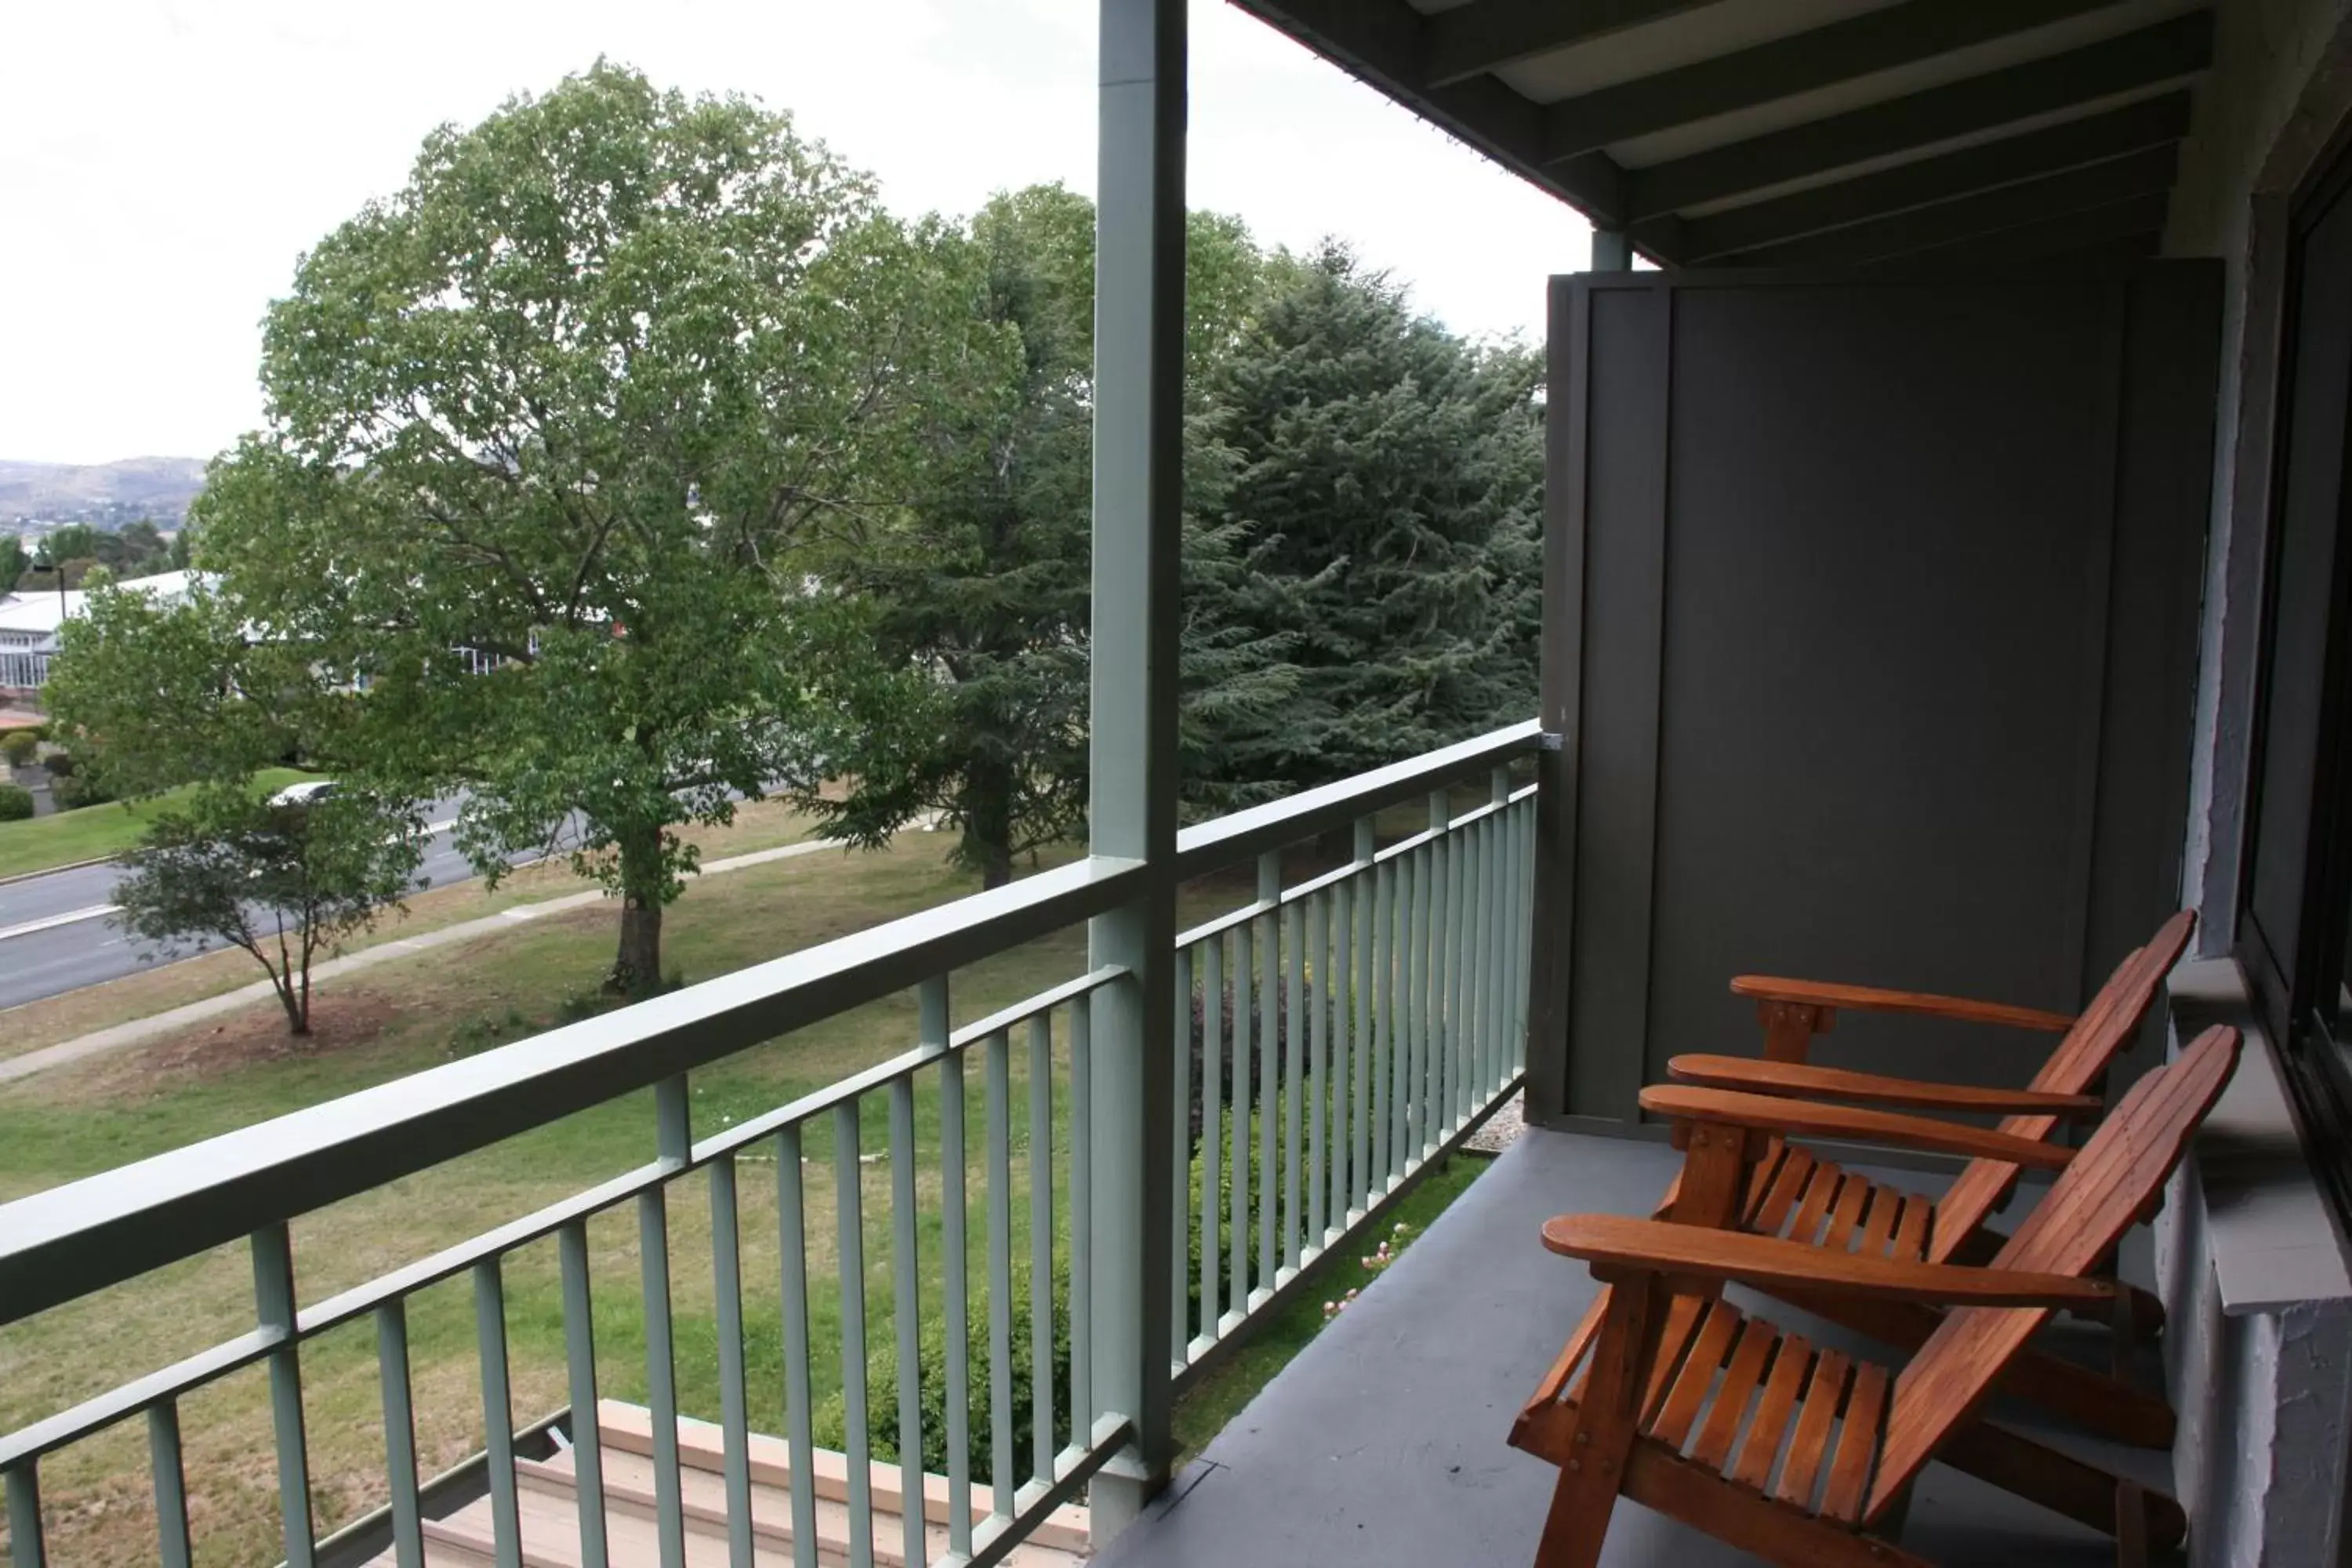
1800, 132
39, 613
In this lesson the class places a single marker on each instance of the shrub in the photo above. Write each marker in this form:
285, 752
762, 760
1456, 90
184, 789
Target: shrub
72, 793
59, 763
882, 1385
18, 746
16, 803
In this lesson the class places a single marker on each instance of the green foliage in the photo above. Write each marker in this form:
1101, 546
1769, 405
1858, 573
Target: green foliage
62, 765
284, 883
157, 694
71, 792
19, 746
135, 550
1385, 484
830, 1419
986, 585
16, 803
610, 392
14, 561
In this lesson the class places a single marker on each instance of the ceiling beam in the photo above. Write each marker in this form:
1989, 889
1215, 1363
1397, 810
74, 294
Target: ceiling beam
2146, 172
2150, 122
1805, 62
2165, 52
2140, 217
1489, 34
1382, 43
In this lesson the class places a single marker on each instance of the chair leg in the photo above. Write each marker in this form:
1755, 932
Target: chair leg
1607, 1422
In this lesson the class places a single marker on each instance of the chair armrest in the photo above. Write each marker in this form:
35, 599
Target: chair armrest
1876, 1089
1616, 1246
1871, 999
1807, 1118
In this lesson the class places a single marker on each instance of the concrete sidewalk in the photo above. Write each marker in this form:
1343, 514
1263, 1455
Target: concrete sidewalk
139, 1030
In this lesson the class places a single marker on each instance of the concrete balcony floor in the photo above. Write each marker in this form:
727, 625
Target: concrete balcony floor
1383, 1443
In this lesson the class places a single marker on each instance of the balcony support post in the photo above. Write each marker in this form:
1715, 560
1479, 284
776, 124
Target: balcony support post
1137, 510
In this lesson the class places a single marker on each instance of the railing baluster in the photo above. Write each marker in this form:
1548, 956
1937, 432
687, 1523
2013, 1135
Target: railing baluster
1179, 1233
1342, 1058
1041, 1247
955, 1258
580, 1365
1445, 853
497, 1412
734, 1415
1366, 902
1388, 1106
1524, 876
1212, 1174
1082, 1255
791, 1249
1000, 1277
1294, 1051
1456, 931
27, 1545
164, 1463
675, 1141
1320, 1102
849, 1245
400, 1433
1490, 946
1238, 1264
273, 1292
1269, 1039
1408, 1014
907, 1316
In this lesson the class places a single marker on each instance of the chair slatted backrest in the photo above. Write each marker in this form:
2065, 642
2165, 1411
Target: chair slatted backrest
2102, 1030
2097, 1199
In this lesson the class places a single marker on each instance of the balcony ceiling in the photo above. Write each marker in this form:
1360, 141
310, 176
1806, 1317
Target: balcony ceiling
1726, 132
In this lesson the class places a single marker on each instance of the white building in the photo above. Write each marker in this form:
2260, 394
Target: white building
30, 622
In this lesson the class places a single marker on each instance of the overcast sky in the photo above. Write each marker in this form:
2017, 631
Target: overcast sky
162, 164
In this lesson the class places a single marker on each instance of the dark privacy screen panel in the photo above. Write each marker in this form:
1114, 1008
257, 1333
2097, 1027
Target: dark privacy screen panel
1874, 636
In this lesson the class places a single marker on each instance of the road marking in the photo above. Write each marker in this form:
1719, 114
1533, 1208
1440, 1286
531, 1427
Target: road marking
71, 917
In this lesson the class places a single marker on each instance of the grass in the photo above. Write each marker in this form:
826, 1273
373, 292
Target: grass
69, 837
413, 1014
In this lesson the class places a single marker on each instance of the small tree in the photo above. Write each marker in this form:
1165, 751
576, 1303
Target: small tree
14, 561
16, 803
283, 882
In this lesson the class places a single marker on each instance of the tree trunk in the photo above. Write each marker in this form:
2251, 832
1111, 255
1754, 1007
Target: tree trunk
637, 967
297, 1006
988, 824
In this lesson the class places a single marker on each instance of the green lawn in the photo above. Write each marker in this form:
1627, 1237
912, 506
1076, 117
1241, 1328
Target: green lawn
416, 1013
96, 831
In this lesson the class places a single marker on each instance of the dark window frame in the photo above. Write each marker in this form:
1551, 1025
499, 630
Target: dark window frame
2314, 1041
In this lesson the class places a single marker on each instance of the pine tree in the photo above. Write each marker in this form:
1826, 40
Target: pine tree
1384, 488
987, 585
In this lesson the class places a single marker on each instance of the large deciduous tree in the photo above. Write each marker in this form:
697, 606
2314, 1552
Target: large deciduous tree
570, 444
1385, 479
986, 588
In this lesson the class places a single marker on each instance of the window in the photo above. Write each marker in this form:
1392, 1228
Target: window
2295, 929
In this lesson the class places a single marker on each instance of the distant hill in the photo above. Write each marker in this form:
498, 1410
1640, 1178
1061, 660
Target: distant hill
108, 494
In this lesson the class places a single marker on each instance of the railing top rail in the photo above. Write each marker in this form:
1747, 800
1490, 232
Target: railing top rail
82, 1237
1214, 845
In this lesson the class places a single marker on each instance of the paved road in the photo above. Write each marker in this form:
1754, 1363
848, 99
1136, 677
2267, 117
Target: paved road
55, 936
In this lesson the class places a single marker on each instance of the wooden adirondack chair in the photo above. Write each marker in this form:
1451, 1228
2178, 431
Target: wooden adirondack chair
1800, 1195
1655, 1402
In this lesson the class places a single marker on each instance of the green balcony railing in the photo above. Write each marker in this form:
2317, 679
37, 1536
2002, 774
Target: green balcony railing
1332, 1036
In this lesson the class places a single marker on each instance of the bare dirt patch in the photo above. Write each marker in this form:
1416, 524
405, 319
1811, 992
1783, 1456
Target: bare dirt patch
251, 1036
